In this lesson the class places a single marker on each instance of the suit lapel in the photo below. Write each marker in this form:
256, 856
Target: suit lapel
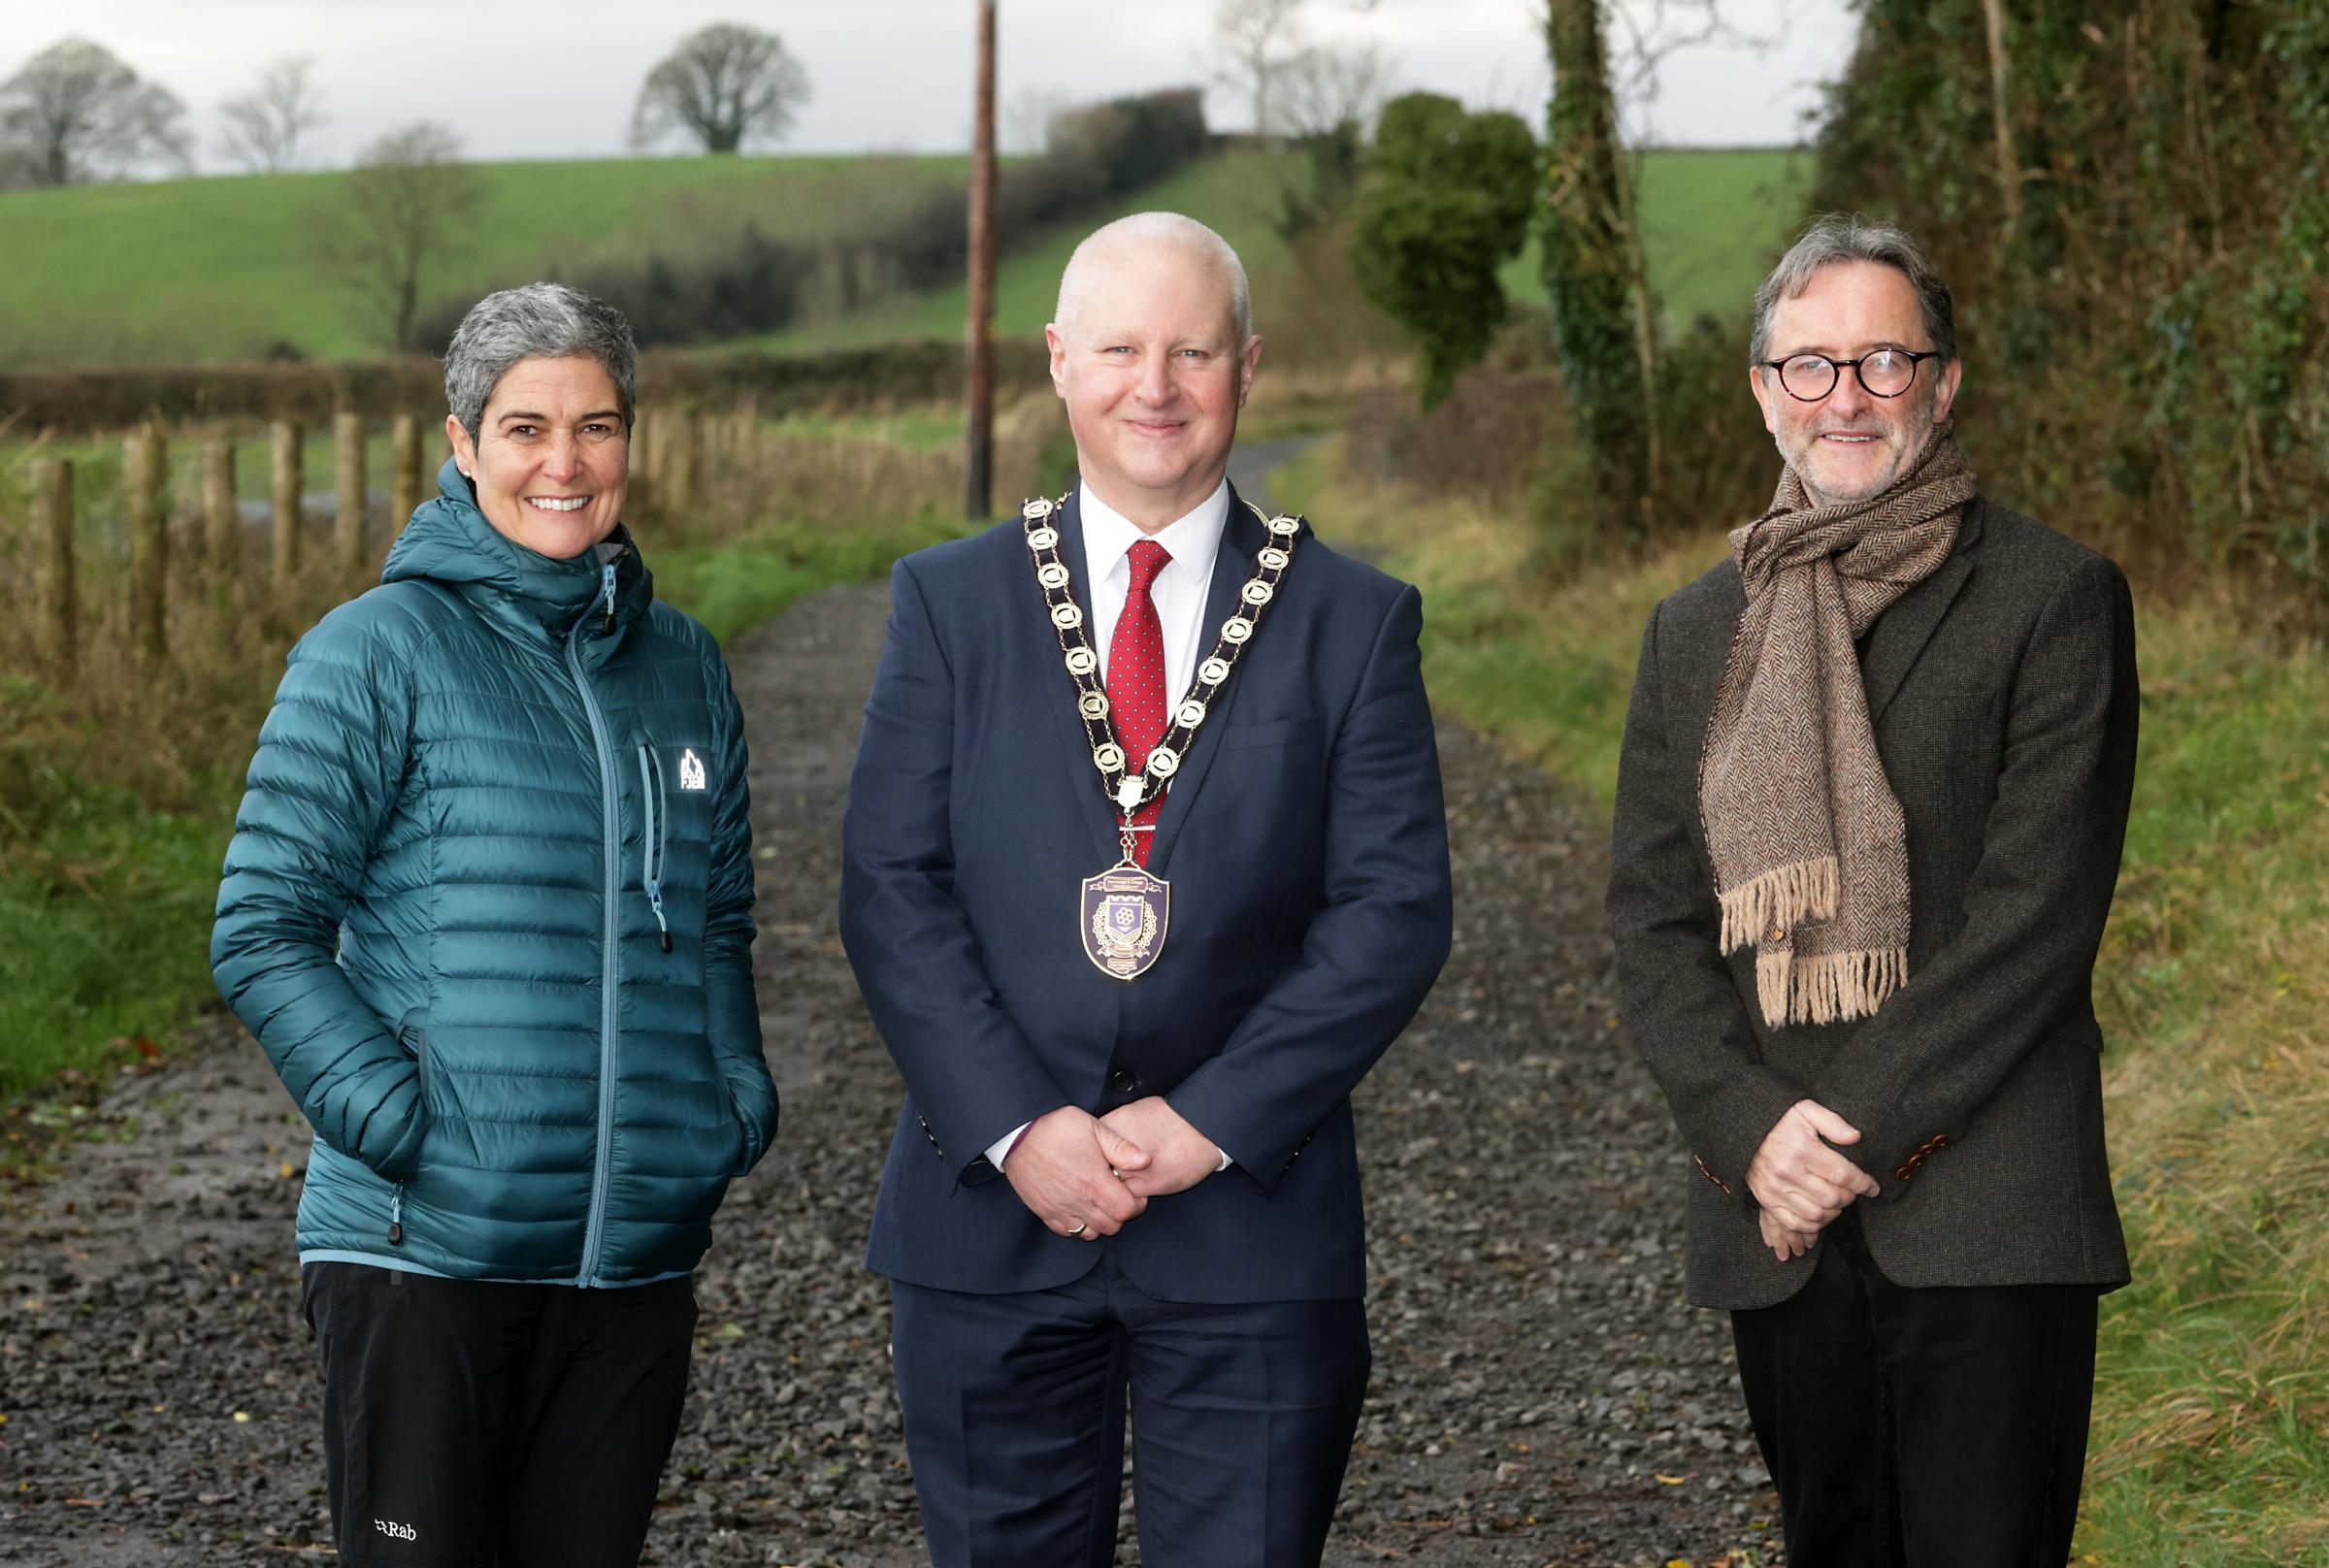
1056, 690
1902, 632
1241, 537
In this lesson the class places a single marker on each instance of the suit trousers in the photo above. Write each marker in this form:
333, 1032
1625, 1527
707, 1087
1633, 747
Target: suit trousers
1242, 1418
471, 1425
1936, 1427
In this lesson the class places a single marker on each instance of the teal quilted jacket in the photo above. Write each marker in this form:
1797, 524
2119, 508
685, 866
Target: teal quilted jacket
488, 912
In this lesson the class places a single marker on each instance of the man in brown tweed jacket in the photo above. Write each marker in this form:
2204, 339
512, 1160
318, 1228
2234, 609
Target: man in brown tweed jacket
1870, 808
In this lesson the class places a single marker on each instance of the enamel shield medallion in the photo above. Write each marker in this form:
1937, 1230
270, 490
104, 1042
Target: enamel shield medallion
1126, 914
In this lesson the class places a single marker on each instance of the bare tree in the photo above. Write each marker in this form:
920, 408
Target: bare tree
75, 112
264, 125
722, 87
409, 203
1256, 38
1296, 87
1325, 86
1027, 120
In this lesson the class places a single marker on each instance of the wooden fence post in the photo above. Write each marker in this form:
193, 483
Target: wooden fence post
641, 475
403, 470
221, 514
145, 469
286, 502
347, 485
52, 512
679, 475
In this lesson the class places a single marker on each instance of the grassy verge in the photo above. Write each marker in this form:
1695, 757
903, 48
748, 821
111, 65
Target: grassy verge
734, 586
2210, 1442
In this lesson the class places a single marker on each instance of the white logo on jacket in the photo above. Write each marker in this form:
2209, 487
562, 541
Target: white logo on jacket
691, 771
390, 1527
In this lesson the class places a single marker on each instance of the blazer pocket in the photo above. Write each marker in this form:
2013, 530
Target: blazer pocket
1271, 732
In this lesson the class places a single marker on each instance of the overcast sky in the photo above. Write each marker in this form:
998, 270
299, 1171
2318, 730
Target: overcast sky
557, 81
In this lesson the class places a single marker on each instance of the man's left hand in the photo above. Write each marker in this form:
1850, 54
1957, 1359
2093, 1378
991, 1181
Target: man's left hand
1179, 1156
1786, 1243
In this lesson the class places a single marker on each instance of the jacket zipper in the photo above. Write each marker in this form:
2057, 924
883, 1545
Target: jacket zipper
609, 807
417, 1041
651, 840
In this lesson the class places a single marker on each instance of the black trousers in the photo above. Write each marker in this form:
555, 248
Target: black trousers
1940, 1427
475, 1426
1242, 1418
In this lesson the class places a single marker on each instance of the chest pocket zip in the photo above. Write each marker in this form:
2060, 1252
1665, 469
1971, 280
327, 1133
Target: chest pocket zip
652, 841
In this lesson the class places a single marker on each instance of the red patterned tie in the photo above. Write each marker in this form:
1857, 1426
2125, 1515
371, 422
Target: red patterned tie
1136, 696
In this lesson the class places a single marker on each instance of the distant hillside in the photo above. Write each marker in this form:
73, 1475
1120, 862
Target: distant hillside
193, 270
226, 268
1713, 220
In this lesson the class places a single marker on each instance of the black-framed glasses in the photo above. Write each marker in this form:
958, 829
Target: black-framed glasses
1886, 372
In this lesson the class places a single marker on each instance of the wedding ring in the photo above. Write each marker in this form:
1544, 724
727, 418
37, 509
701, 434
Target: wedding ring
1077, 1232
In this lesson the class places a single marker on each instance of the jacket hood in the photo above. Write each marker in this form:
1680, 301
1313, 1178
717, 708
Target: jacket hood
449, 542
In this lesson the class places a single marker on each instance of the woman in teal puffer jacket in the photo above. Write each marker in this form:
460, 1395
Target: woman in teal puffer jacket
488, 912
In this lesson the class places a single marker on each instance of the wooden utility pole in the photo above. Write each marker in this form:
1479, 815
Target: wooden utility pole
978, 457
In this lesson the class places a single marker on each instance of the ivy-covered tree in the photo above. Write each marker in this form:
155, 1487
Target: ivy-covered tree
1588, 270
1444, 201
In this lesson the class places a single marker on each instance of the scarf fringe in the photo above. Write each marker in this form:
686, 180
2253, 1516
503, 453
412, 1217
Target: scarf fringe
1783, 896
1827, 988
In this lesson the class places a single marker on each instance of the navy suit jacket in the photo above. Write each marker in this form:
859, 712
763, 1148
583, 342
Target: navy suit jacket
1306, 842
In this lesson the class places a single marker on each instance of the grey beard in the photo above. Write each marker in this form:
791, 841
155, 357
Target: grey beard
1917, 434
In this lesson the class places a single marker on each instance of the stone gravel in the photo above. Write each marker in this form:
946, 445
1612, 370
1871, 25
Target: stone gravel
1541, 1395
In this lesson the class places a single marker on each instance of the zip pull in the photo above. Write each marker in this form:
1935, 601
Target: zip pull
396, 1216
651, 836
655, 902
606, 576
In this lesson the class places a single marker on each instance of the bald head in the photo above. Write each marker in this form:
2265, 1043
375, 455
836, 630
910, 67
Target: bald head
1144, 236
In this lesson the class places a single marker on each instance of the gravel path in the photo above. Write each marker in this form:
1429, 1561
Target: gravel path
1540, 1394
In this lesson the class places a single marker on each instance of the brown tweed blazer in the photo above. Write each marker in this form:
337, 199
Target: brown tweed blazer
2002, 690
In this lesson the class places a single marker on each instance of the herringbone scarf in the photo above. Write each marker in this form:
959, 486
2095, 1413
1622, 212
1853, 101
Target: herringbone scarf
1810, 859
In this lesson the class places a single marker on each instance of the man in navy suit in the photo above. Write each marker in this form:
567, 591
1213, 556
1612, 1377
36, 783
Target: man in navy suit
1137, 897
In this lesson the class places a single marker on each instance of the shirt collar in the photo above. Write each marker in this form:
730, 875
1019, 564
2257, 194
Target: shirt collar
1193, 541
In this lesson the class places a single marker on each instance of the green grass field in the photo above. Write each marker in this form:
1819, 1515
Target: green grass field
1713, 221
219, 269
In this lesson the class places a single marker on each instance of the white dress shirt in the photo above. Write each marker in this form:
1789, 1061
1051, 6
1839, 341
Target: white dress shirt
1178, 591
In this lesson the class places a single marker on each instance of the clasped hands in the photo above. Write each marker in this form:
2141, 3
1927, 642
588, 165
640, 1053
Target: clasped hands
1090, 1176
1800, 1182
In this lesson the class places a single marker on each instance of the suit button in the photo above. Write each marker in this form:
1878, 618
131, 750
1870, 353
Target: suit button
1940, 1140
1906, 1171
1122, 1081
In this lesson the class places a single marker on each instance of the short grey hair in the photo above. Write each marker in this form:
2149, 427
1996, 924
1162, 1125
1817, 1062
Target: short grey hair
1157, 230
539, 321
1841, 237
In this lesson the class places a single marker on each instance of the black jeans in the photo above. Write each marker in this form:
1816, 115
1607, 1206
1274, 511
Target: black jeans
475, 1426
1940, 1427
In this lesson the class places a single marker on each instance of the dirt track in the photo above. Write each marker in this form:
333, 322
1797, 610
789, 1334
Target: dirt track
1540, 1394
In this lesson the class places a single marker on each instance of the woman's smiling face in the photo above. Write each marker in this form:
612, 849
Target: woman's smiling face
552, 458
